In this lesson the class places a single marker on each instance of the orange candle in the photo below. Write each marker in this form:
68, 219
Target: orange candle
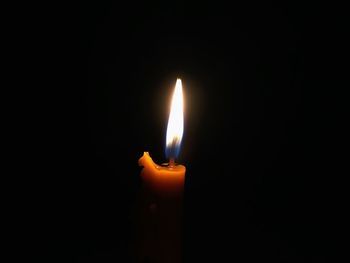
162, 195
163, 180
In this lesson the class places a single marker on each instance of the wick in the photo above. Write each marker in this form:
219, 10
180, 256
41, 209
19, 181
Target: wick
171, 162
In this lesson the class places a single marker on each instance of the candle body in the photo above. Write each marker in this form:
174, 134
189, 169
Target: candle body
161, 212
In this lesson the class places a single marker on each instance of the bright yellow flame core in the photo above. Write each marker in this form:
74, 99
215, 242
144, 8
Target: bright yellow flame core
176, 118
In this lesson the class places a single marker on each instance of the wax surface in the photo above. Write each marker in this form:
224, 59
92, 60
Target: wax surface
162, 180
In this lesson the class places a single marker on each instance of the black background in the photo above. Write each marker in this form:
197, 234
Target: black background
254, 144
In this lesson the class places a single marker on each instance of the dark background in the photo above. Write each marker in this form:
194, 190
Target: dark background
255, 142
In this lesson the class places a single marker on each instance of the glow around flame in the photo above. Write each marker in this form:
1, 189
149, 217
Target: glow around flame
176, 123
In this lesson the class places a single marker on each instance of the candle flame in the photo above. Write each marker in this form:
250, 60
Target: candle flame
176, 122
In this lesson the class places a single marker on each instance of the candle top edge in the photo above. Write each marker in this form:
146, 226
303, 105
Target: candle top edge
147, 162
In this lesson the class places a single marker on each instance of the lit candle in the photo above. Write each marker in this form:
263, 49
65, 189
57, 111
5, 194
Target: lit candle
162, 195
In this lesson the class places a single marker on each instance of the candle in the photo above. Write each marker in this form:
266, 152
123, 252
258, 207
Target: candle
162, 195
163, 180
